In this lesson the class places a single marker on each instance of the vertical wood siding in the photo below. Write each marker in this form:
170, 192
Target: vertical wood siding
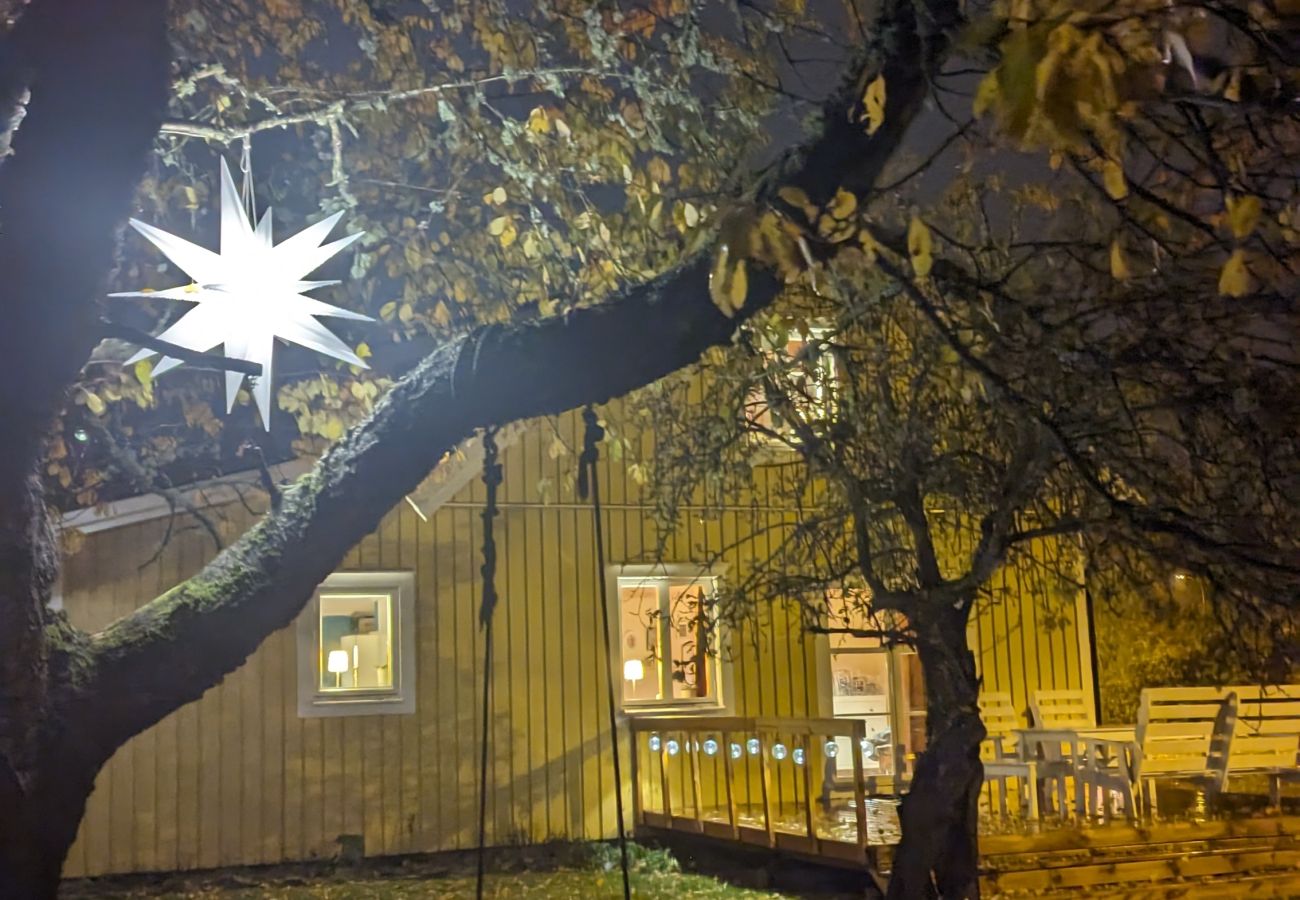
238, 778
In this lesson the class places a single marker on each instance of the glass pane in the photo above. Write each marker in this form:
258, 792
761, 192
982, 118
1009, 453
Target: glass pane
639, 620
688, 658
356, 641
860, 690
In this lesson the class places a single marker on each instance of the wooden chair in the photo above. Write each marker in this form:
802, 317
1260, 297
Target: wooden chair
1062, 710
1001, 754
1183, 736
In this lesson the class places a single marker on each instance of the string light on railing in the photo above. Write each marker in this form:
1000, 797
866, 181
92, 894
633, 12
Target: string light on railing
753, 746
832, 749
710, 746
736, 751
798, 756
655, 743
673, 748
778, 751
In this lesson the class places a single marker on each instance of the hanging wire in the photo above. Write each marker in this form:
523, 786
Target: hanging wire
491, 480
589, 482
247, 192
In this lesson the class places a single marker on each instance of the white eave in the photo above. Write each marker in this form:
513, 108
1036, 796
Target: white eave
447, 480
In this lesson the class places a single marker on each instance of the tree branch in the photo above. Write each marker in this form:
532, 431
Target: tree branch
118, 331
171, 650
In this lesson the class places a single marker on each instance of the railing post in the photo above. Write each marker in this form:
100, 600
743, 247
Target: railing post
765, 777
728, 772
691, 747
637, 807
859, 734
666, 786
805, 743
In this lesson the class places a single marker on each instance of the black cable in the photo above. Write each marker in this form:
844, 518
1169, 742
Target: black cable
587, 479
491, 479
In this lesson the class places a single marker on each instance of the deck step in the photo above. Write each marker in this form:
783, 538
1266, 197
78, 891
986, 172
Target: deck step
1265, 885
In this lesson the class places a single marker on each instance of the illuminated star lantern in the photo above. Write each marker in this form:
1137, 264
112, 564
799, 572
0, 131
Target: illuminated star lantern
249, 294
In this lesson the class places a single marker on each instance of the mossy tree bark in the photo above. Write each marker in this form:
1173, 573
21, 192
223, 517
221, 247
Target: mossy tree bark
939, 852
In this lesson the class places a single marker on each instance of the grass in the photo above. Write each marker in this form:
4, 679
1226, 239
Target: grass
589, 872
566, 883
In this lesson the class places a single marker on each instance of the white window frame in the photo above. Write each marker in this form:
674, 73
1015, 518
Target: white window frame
396, 700
723, 677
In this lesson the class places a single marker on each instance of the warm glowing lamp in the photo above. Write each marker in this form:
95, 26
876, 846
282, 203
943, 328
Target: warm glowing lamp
338, 663
633, 671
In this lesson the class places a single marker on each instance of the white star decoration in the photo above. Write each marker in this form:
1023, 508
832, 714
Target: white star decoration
249, 294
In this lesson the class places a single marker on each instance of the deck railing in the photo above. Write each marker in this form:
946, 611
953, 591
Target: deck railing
782, 783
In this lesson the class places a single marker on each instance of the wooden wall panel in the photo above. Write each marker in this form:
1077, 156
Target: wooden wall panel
239, 778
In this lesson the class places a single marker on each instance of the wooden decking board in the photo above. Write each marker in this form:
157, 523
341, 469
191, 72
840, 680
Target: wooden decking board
1149, 870
1271, 885
1120, 834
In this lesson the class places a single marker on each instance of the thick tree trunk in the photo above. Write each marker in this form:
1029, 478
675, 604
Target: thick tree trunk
939, 852
38, 825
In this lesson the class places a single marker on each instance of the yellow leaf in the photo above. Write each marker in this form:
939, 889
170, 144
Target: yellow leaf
797, 198
728, 282
1243, 215
508, 234
144, 373
920, 247
843, 204
538, 121
332, 428
873, 104
95, 404
1112, 176
363, 350
1234, 280
1119, 269
498, 225
495, 197
690, 215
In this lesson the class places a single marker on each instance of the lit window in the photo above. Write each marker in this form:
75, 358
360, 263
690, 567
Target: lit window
667, 659
805, 370
356, 653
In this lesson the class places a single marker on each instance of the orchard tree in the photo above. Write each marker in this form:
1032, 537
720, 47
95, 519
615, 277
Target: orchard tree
1085, 346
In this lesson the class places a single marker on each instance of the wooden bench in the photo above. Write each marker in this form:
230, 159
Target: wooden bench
1181, 737
1266, 737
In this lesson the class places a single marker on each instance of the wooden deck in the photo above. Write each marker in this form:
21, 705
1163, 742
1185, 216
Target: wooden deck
698, 781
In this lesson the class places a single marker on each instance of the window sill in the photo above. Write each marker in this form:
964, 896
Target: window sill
668, 710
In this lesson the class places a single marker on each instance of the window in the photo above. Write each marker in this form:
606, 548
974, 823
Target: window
667, 661
805, 370
356, 646
875, 683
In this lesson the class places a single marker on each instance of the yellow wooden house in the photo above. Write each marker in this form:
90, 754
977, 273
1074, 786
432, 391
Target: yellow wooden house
361, 721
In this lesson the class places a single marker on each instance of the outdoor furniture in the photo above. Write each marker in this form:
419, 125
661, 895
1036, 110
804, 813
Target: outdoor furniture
1055, 710
1013, 752
1266, 739
1180, 737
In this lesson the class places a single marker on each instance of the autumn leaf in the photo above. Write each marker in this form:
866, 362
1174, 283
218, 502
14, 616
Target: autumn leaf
95, 403
1243, 215
920, 247
498, 225
1112, 175
873, 104
728, 282
538, 121
1234, 280
1119, 269
842, 205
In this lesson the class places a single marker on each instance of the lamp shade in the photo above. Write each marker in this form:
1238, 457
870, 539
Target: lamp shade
633, 670
337, 662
